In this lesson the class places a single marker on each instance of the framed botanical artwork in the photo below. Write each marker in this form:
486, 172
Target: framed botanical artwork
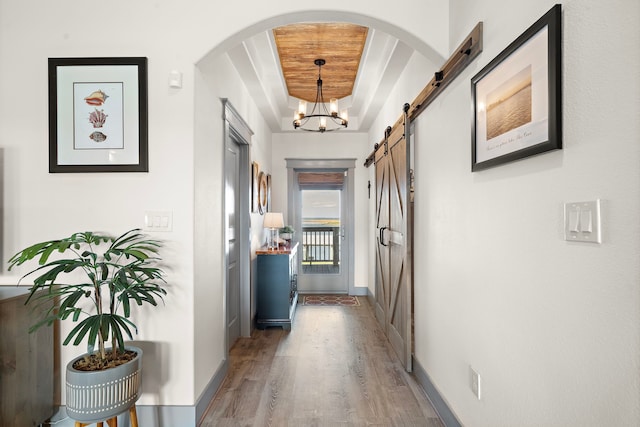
98, 115
516, 98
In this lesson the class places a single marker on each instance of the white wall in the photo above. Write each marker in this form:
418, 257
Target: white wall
217, 79
338, 145
551, 326
39, 205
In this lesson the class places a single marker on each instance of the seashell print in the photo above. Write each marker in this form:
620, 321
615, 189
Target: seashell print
96, 98
97, 118
98, 136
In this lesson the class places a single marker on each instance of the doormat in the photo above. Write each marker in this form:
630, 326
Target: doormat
330, 300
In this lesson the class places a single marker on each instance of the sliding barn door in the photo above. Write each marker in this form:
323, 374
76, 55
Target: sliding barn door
393, 269
382, 223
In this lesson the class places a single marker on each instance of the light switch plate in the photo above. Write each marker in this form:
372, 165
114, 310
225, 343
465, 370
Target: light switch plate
158, 221
582, 222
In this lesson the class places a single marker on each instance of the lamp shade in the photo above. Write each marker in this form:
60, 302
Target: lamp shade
273, 220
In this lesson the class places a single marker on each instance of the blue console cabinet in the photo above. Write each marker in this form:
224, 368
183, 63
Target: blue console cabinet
277, 283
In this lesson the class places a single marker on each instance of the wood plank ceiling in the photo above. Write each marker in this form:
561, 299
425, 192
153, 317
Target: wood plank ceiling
339, 44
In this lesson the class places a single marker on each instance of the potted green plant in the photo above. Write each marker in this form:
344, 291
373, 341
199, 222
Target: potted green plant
286, 232
94, 279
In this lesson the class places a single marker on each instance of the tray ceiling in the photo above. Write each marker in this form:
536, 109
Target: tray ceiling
363, 65
340, 44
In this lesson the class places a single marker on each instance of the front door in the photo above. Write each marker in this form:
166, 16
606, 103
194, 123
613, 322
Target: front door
321, 241
320, 208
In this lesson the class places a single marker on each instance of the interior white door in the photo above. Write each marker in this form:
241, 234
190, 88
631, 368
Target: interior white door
232, 208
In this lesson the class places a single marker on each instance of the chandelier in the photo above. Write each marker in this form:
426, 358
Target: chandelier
320, 119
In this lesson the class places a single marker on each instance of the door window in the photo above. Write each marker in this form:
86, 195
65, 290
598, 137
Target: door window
321, 231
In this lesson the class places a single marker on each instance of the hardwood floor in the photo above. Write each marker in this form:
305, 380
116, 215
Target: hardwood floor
334, 368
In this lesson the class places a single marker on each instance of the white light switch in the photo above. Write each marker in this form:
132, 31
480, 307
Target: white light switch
175, 79
574, 221
158, 221
586, 224
582, 222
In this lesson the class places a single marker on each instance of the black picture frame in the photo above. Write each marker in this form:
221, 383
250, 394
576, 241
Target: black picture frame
98, 115
255, 170
517, 97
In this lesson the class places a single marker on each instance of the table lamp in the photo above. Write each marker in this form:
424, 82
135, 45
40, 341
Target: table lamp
274, 222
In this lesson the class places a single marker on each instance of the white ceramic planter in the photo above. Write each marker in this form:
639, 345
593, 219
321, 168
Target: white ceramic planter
100, 395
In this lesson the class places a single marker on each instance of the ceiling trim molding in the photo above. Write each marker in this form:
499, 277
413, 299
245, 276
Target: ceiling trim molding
295, 163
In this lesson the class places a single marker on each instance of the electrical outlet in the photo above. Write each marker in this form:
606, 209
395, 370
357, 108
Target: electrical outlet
475, 382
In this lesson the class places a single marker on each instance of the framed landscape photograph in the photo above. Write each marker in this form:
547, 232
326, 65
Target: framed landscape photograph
516, 98
98, 115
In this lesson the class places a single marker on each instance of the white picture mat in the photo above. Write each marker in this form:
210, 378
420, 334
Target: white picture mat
532, 53
127, 76
113, 127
